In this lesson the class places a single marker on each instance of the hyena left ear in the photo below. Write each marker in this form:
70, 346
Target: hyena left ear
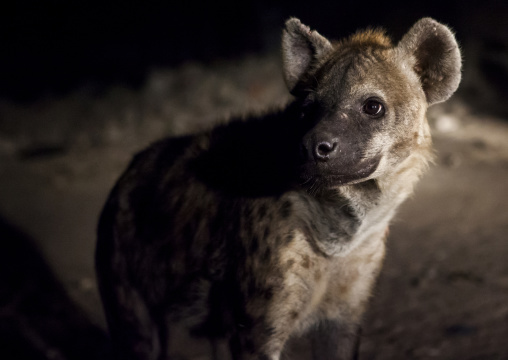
437, 56
301, 48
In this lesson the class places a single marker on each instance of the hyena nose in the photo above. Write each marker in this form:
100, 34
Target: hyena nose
324, 150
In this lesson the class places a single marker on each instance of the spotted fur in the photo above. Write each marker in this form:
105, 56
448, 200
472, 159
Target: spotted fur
229, 243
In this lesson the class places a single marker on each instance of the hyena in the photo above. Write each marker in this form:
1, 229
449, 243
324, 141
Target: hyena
228, 243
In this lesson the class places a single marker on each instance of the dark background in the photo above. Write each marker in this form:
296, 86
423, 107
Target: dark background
53, 47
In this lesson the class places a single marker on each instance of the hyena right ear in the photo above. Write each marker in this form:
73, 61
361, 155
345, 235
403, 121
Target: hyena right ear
437, 58
301, 48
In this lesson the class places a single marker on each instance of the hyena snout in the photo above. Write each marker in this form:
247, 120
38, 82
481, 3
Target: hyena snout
324, 150
338, 158
320, 149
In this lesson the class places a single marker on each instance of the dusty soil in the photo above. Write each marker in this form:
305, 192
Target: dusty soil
443, 293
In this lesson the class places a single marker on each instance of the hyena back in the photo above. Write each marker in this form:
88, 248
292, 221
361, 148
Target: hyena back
228, 243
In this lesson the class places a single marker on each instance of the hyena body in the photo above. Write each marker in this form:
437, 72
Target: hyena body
229, 243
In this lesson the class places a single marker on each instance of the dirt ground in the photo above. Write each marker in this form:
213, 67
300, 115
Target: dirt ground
443, 292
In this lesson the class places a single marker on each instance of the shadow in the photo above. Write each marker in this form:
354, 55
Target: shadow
38, 320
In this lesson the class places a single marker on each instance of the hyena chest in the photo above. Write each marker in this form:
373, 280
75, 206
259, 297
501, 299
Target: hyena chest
316, 286
292, 263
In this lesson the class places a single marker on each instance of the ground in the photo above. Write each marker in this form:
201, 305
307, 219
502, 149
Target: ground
443, 292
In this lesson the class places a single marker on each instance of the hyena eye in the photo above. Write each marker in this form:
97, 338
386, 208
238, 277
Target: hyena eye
373, 107
307, 108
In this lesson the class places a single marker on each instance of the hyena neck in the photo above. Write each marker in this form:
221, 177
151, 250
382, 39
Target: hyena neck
375, 201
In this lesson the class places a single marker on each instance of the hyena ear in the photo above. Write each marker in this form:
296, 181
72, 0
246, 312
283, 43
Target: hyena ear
437, 56
301, 48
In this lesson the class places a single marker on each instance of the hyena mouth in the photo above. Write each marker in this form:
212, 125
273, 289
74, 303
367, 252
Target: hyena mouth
329, 178
365, 169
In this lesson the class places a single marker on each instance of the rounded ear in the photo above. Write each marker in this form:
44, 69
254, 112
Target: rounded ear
301, 48
437, 55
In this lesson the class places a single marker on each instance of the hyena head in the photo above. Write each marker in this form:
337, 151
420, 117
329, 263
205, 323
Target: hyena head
363, 99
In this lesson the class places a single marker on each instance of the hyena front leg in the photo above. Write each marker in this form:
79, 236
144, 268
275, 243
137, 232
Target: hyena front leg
244, 348
133, 332
332, 340
263, 341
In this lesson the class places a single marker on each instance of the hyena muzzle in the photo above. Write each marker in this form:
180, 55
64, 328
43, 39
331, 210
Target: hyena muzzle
229, 243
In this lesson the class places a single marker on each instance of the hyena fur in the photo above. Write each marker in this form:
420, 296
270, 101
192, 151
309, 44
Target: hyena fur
228, 243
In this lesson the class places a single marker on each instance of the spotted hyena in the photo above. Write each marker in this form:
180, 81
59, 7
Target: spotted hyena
231, 242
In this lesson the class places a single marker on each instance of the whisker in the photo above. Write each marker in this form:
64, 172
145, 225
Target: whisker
306, 181
309, 189
314, 188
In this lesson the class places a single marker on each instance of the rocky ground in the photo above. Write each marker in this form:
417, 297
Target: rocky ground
443, 293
